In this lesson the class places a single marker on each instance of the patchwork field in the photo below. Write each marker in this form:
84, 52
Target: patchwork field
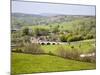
28, 63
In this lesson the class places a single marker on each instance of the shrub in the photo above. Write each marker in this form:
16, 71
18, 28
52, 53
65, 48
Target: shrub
92, 50
72, 46
89, 36
80, 45
17, 47
74, 38
55, 29
33, 49
61, 51
70, 54
25, 31
63, 38
41, 32
17, 50
74, 54
50, 53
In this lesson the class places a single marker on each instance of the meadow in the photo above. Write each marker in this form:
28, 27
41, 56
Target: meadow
28, 63
36, 63
83, 46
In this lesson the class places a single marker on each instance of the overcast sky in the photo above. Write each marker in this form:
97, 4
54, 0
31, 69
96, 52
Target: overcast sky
39, 8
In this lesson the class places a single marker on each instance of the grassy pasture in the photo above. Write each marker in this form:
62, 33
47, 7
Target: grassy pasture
63, 26
83, 46
28, 63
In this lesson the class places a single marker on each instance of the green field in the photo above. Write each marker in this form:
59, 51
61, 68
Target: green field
27, 63
85, 47
63, 26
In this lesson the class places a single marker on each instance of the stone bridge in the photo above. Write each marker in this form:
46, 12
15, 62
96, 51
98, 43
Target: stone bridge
43, 42
50, 43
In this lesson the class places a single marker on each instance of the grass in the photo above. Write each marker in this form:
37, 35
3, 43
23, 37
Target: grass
63, 25
27, 63
85, 47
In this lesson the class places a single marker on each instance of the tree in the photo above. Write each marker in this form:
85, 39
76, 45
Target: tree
63, 38
55, 29
41, 32
50, 26
25, 31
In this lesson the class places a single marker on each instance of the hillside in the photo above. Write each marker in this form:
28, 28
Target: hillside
21, 19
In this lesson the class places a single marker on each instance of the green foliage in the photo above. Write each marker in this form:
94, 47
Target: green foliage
70, 54
63, 38
74, 30
32, 48
19, 50
89, 36
55, 29
26, 39
41, 31
25, 31
19, 39
74, 38
74, 53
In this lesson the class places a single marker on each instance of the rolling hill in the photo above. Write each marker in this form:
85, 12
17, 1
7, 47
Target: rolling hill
21, 19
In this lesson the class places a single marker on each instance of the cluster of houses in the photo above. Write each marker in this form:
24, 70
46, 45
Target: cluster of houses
44, 42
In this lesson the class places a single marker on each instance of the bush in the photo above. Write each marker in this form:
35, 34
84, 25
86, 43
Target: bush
33, 49
89, 36
74, 54
63, 38
74, 38
72, 46
17, 50
41, 32
70, 54
25, 31
61, 51
50, 53
55, 29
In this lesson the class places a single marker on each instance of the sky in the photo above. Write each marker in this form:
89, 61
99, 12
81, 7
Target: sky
51, 8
